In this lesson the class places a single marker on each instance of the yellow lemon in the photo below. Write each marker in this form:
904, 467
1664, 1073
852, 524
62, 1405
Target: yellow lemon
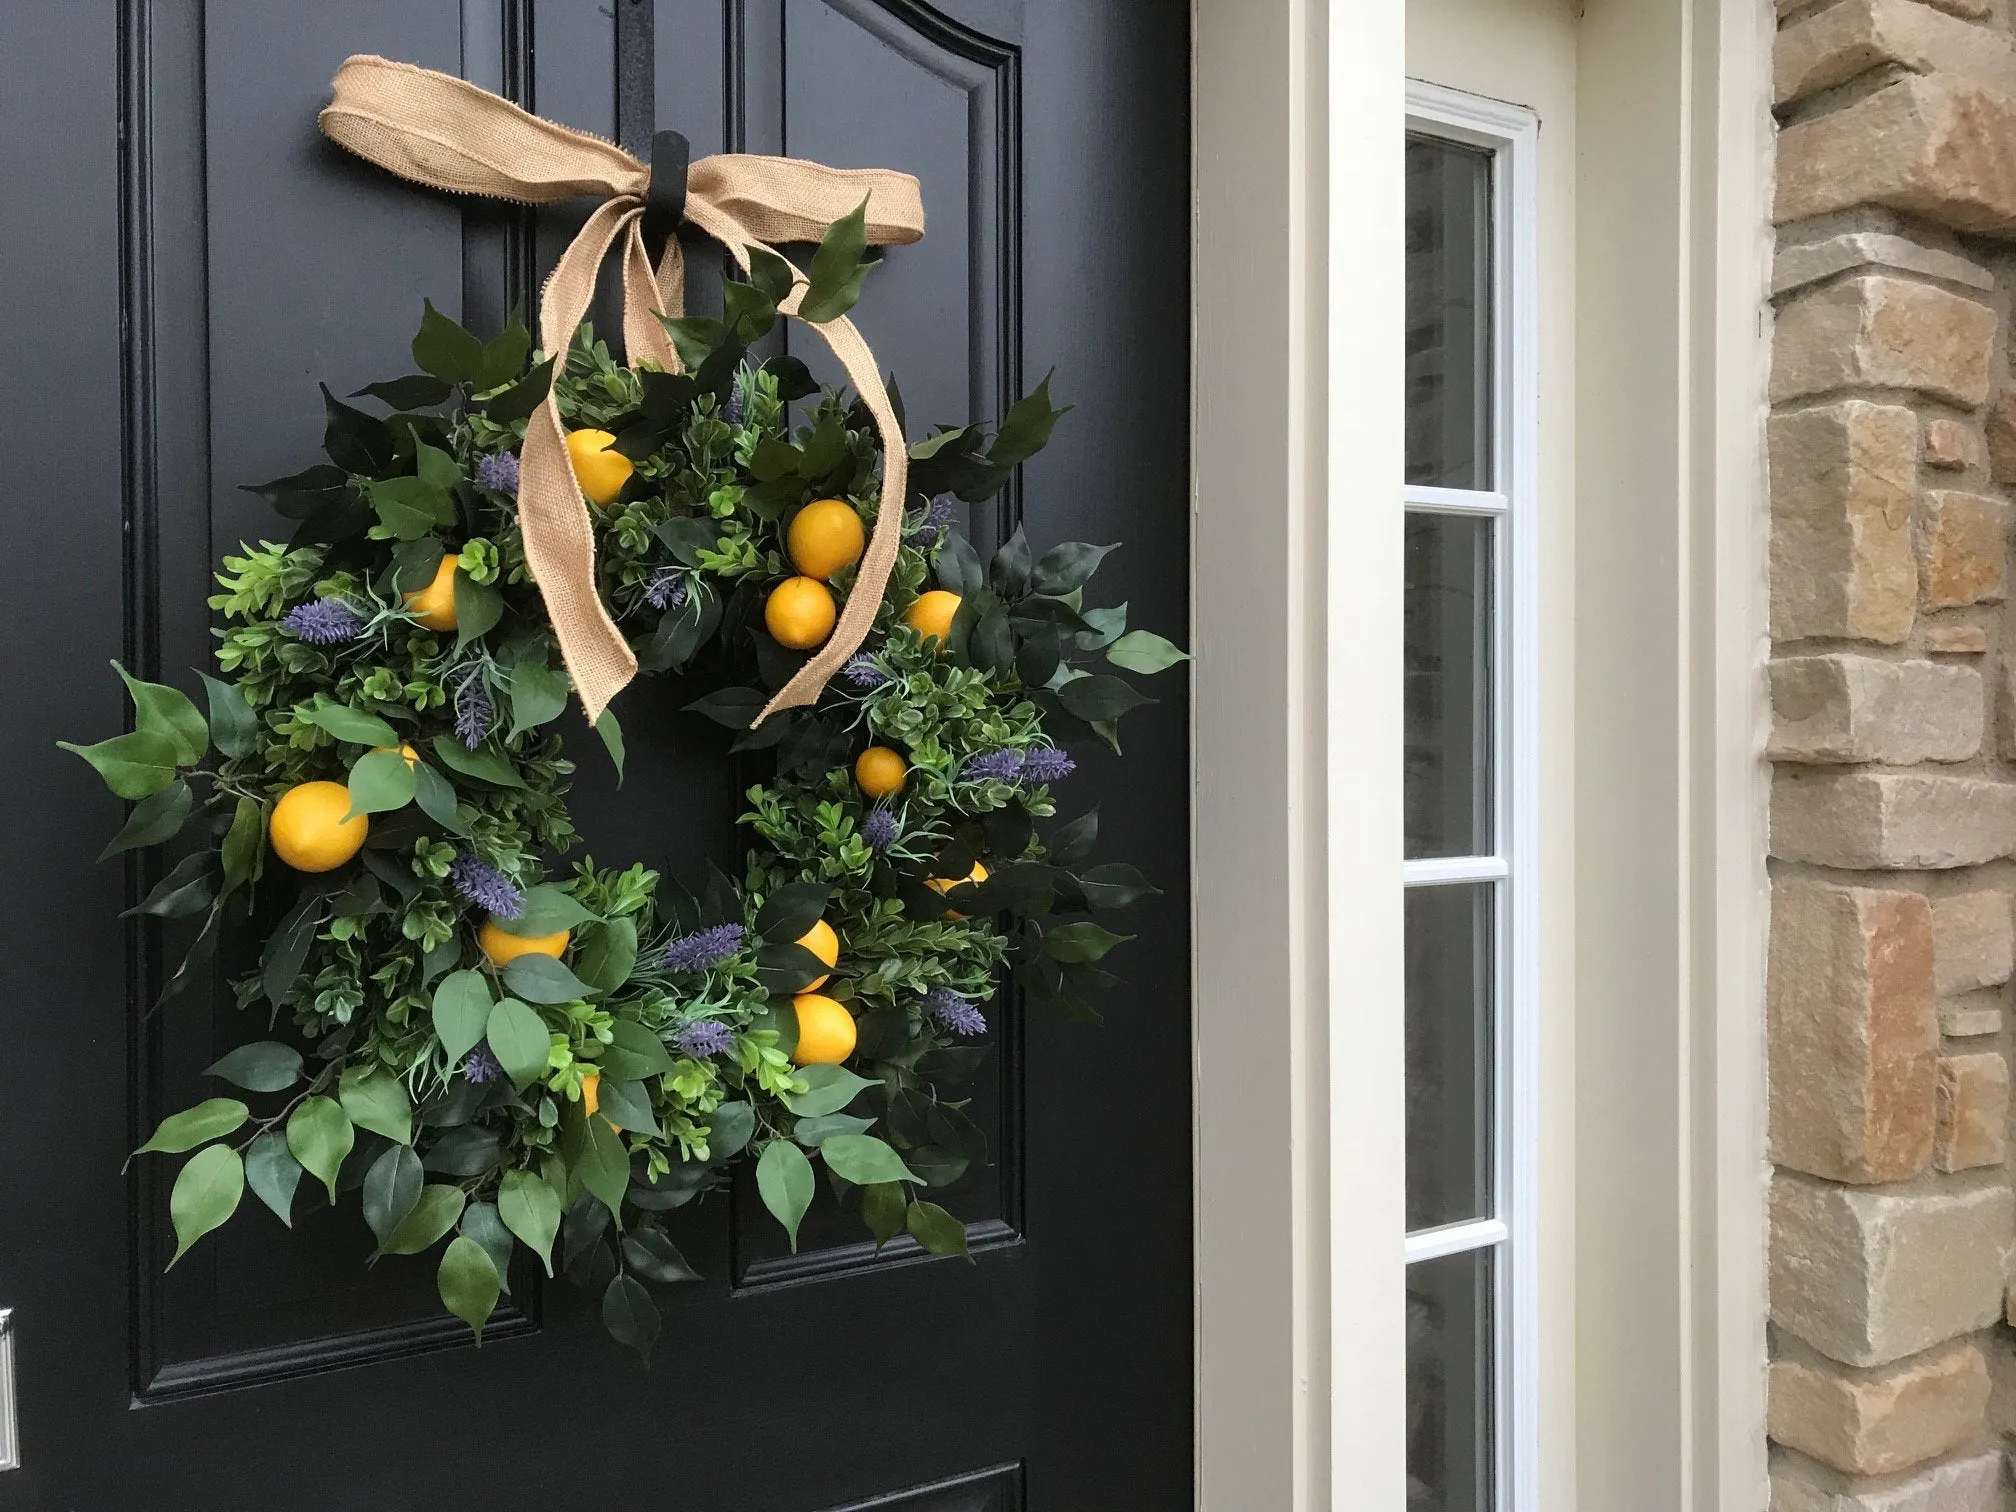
825, 536
591, 1099
823, 943
825, 1030
799, 613
600, 471
503, 949
931, 615
879, 771
308, 829
412, 756
946, 884
434, 605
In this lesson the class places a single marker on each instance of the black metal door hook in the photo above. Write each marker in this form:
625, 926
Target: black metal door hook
665, 200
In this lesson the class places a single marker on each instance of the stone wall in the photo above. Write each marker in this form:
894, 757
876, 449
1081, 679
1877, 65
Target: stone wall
1892, 443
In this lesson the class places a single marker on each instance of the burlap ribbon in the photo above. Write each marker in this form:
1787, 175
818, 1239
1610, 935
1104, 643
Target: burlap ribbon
446, 133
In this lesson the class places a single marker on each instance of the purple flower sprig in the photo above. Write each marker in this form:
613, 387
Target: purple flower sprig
953, 1012
498, 472
667, 589
482, 1065
473, 709
1046, 764
704, 1037
703, 949
323, 622
486, 886
994, 766
932, 526
863, 673
879, 830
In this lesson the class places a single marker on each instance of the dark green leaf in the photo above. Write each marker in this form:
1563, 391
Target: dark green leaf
155, 818
749, 309
234, 728
433, 1215
462, 1006
1066, 567
635, 1052
958, 565
771, 273
377, 1100
468, 1282
541, 979
353, 725
391, 1189
631, 1316
134, 765
273, 1174
864, 1160
786, 969
410, 507
485, 763
478, 608
548, 909
729, 1129
834, 278
1103, 627
530, 1208
736, 708
518, 402
194, 1126
505, 354
161, 710
1008, 574
654, 1257
601, 1160
1083, 941
320, 1135
436, 796
471, 1150
612, 740
791, 910
189, 888
415, 391
287, 948
937, 1230
813, 1132
784, 1179
206, 1193
481, 1224
355, 441
1100, 698
882, 1210
266, 1066
1073, 842
538, 695
1115, 885
443, 348
519, 1037
244, 844
1025, 429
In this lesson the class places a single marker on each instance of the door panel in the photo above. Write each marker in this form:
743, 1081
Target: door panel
202, 279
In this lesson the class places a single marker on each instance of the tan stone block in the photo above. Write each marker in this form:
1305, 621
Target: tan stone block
1879, 1424
1931, 147
1867, 1276
2001, 430
1854, 1038
1798, 263
1973, 1111
1968, 1020
1843, 481
1973, 941
1848, 39
1856, 708
1949, 445
1960, 549
1865, 820
1956, 640
1879, 332
1973, 1484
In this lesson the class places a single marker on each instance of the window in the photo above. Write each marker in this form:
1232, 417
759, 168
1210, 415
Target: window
1469, 806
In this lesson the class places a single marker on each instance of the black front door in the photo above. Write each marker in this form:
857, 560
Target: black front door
175, 234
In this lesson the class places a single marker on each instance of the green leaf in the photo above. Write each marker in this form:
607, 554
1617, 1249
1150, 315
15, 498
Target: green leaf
1097, 699
635, 1052
433, 1215
485, 763
1008, 574
353, 725
355, 441
541, 979
882, 1210
234, 728
828, 1089
273, 1174
191, 1127
734, 707
837, 270
206, 1193
155, 818
1145, 652
813, 1132
1025, 429
504, 355
523, 397
266, 1066
414, 391
771, 273
287, 947
656, 1258
379, 783
519, 1039
1085, 941
478, 608
784, 1179
631, 1316
133, 765
189, 888
411, 507
481, 1224
468, 1283
1115, 885
1065, 567
957, 566
601, 1160
320, 1135
607, 954
162, 710
791, 910
729, 1129
749, 310
461, 1013
447, 351
391, 1190
244, 844
549, 909
864, 1160
436, 796
377, 1100
694, 337
937, 1230
612, 740
530, 1208
538, 695
628, 1106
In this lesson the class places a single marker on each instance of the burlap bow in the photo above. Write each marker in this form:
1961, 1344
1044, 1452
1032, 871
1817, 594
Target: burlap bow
446, 133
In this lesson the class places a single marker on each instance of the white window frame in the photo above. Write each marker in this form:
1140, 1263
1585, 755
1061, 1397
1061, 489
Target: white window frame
1510, 133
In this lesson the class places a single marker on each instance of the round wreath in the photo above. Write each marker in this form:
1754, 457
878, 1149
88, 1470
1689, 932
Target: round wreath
495, 1052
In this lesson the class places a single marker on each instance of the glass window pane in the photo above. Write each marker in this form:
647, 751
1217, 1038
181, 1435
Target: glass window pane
1449, 1084
1448, 314
1447, 646
1449, 1366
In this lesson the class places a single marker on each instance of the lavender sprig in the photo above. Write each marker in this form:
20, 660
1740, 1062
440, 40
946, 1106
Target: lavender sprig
324, 622
704, 948
994, 766
498, 472
862, 672
473, 709
482, 1065
667, 589
1046, 764
486, 886
953, 1012
704, 1037
879, 830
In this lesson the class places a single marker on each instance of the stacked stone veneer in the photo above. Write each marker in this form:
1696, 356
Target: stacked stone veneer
1892, 441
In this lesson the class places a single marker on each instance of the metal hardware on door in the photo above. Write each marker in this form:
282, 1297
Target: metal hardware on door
10, 1437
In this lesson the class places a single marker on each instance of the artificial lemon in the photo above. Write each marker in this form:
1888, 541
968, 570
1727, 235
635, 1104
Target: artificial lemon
931, 616
799, 613
825, 536
308, 829
600, 471
823, 943
412, 756
879, 771
591, 1099
434, 605
946, 884
825, 1030
503, 949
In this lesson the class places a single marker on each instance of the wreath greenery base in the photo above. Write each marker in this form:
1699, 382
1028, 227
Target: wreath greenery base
492, 1052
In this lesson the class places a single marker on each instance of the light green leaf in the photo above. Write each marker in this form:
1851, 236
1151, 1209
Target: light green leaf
377, 1100
813, 1132
436, 795
864, 1160
265, 1066
607, 954
530, 1208
462, 1006
206, 1193
538, 695
937, 1230
1145, 652
157, 817
484, 763
353, 725
433, 1215
468, 1283
478, 608
134, 765
541, 979
319, 1134
635, 1052
612, 739
729, 1129
1076, 944
548, 909
784, 1178
194, 1126
519, 1039
601, 1160
379, 783
628, 1106
828, 1089
162, 710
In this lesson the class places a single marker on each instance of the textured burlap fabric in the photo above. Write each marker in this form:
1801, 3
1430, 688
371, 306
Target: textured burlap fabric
446, 133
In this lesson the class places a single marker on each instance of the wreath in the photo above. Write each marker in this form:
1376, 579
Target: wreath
494, 1050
